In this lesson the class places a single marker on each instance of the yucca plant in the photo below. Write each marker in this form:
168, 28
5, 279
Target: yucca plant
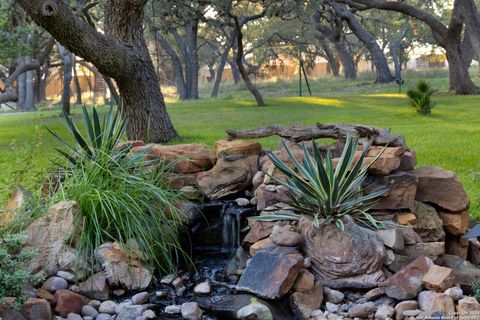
120, 197
421, 97
325, 192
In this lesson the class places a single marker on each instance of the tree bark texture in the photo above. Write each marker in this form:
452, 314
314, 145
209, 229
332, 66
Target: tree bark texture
298, 133
378, 58
121, 53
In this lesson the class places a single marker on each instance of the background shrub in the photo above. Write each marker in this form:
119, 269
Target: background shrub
421, 97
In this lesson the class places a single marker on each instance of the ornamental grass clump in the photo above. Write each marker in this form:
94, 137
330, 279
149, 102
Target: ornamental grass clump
327, 192
121, 196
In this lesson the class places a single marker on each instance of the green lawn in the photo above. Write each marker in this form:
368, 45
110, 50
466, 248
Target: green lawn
449, 138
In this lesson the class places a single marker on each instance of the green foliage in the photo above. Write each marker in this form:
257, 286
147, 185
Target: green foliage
421, 97
476, 290
121, 198
327, 193
13, 274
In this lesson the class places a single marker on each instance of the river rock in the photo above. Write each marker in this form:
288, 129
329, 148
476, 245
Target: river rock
48, 235
286, 235
140, 298
191, 311
429, 226
455, 292
306, 302
108, 307
122, 268
227, 306
95, 287
438, 278
186, 158
401, 190
131, 312
403, 306
442, 188
407, 283
202, 288
362, 310
384, 312
54, 283
271, 273
89, 311
333, 296
455, 223
68, 302
350, 258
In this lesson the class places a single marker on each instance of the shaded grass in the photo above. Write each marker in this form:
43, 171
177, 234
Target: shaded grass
448, 138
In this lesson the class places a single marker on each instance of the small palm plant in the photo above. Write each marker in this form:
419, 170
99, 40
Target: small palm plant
325, 192
120, 198
421, 98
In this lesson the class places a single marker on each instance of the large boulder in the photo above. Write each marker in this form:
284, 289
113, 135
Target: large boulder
49, 234
341, 259
122, 268
185, 158
429, 226
407, 283
441, 187
234, 170
271, 273
401, 186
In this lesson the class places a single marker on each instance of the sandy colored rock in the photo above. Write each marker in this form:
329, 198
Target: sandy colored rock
442, 188
305, 281
307, 301
455, 223
226, 148
438, 278
430, 302
49, 234
187, 158
121, 268
468, 306
406, 218
260, 245
95, 287
404, 306
36, 309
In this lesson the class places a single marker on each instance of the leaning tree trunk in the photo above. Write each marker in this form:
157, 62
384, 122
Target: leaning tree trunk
235, 72
67, 59
346, 58
332, 61
21, 88
243, 72
120, 53
221, 65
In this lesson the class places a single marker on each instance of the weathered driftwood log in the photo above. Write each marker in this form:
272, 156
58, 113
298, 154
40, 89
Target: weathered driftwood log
367, 135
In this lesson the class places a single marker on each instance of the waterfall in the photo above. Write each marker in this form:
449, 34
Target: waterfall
231, 227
